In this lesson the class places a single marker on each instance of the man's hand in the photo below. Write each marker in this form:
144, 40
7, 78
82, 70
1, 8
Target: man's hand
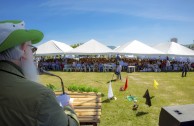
64, 100
71, 103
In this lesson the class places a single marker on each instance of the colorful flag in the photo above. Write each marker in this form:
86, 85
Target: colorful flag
132, 98
110, 92
156, 84
148, 99
126, 83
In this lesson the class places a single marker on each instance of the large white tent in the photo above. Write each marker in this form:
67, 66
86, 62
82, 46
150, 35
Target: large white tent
173, 48
137, 48
92, 47
52, 47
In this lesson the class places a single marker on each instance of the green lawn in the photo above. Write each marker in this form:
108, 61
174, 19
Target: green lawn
172, 90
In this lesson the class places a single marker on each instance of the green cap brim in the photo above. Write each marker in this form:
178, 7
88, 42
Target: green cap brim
20, 36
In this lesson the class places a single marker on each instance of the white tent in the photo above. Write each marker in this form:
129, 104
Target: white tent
172, 48
91, 47
52, 47
138, 48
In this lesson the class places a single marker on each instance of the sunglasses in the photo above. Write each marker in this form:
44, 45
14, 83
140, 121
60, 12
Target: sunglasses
33, 48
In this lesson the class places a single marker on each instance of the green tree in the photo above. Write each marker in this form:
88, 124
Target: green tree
76, 45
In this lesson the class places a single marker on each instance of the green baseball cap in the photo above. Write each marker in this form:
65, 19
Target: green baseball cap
13, 33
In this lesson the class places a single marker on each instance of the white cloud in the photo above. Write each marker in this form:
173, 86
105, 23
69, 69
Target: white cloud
165, 10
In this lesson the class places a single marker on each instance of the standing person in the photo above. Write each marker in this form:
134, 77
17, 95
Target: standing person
185, 69
23, 101
118, 70
168, 65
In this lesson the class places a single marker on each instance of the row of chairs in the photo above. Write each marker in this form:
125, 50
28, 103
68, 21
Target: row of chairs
104, 68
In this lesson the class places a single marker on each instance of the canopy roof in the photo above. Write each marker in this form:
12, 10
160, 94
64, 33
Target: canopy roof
91, 47
52, 47
173, 48
137, 47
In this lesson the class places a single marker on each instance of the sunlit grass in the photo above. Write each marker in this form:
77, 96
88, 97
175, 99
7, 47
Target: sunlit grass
172, 90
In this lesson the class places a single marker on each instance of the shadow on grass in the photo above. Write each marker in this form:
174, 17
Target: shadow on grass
141, 113
112, 81
106, 101
152, 97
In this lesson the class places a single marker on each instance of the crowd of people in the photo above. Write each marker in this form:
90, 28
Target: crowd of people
24, 101
109, 64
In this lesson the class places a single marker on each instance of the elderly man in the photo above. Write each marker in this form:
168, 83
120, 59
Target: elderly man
23, 101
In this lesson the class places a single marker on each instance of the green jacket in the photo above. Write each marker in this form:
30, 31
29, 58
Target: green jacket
27, 103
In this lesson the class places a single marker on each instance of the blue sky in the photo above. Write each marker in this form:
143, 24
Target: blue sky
111, 22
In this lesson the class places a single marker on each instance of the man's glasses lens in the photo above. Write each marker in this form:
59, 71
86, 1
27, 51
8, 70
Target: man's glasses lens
33, 48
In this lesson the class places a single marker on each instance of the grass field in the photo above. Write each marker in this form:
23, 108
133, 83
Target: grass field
172, 90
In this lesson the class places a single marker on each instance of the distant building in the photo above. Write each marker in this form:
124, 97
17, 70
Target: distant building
174, 40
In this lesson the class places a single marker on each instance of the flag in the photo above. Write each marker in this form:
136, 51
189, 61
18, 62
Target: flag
148, 99
110, 92
126, 84
132, 98
156, 84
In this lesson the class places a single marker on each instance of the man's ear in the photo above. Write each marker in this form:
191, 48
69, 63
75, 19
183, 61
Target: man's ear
24, 48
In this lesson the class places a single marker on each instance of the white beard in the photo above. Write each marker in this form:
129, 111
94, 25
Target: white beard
28, 67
